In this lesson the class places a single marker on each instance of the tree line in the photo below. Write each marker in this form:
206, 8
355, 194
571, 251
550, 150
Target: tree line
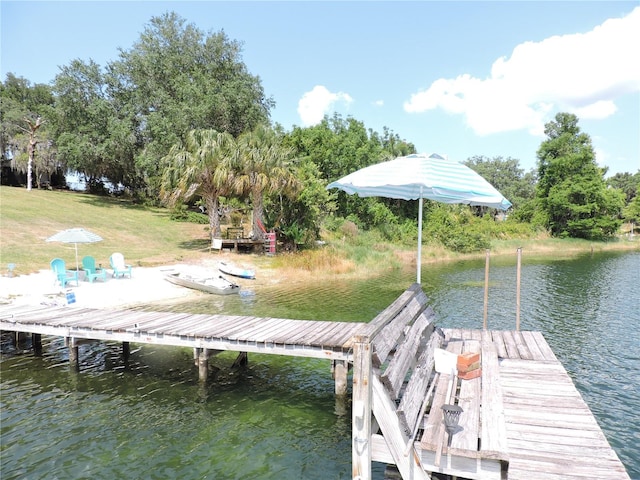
177, 118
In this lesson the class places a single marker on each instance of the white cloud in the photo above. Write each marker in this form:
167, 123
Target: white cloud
581, 73
378, 103
313, 105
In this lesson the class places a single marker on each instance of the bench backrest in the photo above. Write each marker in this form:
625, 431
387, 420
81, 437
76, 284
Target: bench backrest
404, 340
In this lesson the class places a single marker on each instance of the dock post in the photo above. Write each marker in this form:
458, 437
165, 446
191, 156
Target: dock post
242, 360
361, 409
126, 350
486, 289
340, 370
36, 342
203, 364
196, 355
74, 361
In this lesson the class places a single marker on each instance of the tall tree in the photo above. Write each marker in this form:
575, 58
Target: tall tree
203, 165
265, 166
25, 142
177, 79
571, 189
94, 137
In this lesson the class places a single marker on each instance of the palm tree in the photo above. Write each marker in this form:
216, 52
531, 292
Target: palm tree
264, 167
203, 165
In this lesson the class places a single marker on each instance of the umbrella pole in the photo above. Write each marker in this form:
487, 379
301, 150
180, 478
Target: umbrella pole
77, 264
419, 237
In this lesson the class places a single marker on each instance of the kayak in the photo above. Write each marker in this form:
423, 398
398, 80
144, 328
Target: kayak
231, 269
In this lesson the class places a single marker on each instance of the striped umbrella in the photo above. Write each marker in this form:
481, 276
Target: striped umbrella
422, 176
75, 236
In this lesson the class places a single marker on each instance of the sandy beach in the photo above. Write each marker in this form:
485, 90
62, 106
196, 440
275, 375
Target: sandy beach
146, 285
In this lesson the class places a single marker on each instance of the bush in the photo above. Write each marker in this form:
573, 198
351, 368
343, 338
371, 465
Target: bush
181, 213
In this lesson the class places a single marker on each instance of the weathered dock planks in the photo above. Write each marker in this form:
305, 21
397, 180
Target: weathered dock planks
305, 338
551, 433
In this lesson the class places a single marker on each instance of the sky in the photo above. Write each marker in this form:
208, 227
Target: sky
456, 78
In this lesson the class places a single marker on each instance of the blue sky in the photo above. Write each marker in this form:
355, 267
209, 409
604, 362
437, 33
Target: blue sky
456, 78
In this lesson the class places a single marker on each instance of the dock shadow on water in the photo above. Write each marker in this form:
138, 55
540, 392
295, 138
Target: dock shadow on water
278, 417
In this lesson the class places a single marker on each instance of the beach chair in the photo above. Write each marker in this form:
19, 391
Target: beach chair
91, 272
120, 269
62, 274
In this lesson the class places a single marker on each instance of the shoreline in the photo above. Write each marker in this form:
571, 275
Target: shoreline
148, 284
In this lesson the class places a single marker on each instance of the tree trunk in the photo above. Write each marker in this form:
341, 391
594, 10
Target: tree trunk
214, 217
258, 212
33, 128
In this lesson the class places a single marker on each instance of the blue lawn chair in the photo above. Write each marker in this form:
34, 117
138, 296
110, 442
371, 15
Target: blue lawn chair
62, 274
91, 272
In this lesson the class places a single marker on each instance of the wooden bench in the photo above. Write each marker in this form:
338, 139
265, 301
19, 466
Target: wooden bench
235, 233
397, 399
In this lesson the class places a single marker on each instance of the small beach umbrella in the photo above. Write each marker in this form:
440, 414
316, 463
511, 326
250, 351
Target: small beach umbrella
75, 236
420, 176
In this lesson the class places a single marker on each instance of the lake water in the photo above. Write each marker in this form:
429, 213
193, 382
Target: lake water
278, 418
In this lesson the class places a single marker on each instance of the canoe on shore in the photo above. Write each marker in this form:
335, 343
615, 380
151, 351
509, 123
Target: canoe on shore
231, 269
219, 285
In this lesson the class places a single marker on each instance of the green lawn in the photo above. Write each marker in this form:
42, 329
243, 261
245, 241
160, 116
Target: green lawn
146, 236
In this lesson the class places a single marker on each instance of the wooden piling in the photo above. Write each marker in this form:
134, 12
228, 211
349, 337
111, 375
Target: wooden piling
126, 351
74, 359
36, 342
486, 290
518, 277
242, 360
340, 371
203, 364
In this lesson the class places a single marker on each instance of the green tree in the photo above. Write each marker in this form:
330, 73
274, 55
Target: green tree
93, 136
571, 190
628, 183
25, 139
203, 165
340, 146
631, 212
506, 176
265, 166
300, 215
176, 79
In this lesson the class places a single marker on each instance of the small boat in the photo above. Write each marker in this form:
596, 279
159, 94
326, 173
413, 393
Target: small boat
231, 269
219, 285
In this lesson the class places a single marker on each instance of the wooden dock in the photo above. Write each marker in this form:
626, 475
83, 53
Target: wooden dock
206, 334
550, 431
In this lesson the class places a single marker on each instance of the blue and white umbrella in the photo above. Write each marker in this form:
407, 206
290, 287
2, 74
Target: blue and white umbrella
420, 176
75, 236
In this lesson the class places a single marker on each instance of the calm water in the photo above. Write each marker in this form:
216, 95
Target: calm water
278, 418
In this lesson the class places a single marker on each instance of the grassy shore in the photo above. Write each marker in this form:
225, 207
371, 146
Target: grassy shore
148, 237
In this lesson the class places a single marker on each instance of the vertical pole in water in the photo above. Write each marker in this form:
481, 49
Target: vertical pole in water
74, 361
486, 291
419, 261
340, 370
518, 270
126, 350
203, 364
36, 342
